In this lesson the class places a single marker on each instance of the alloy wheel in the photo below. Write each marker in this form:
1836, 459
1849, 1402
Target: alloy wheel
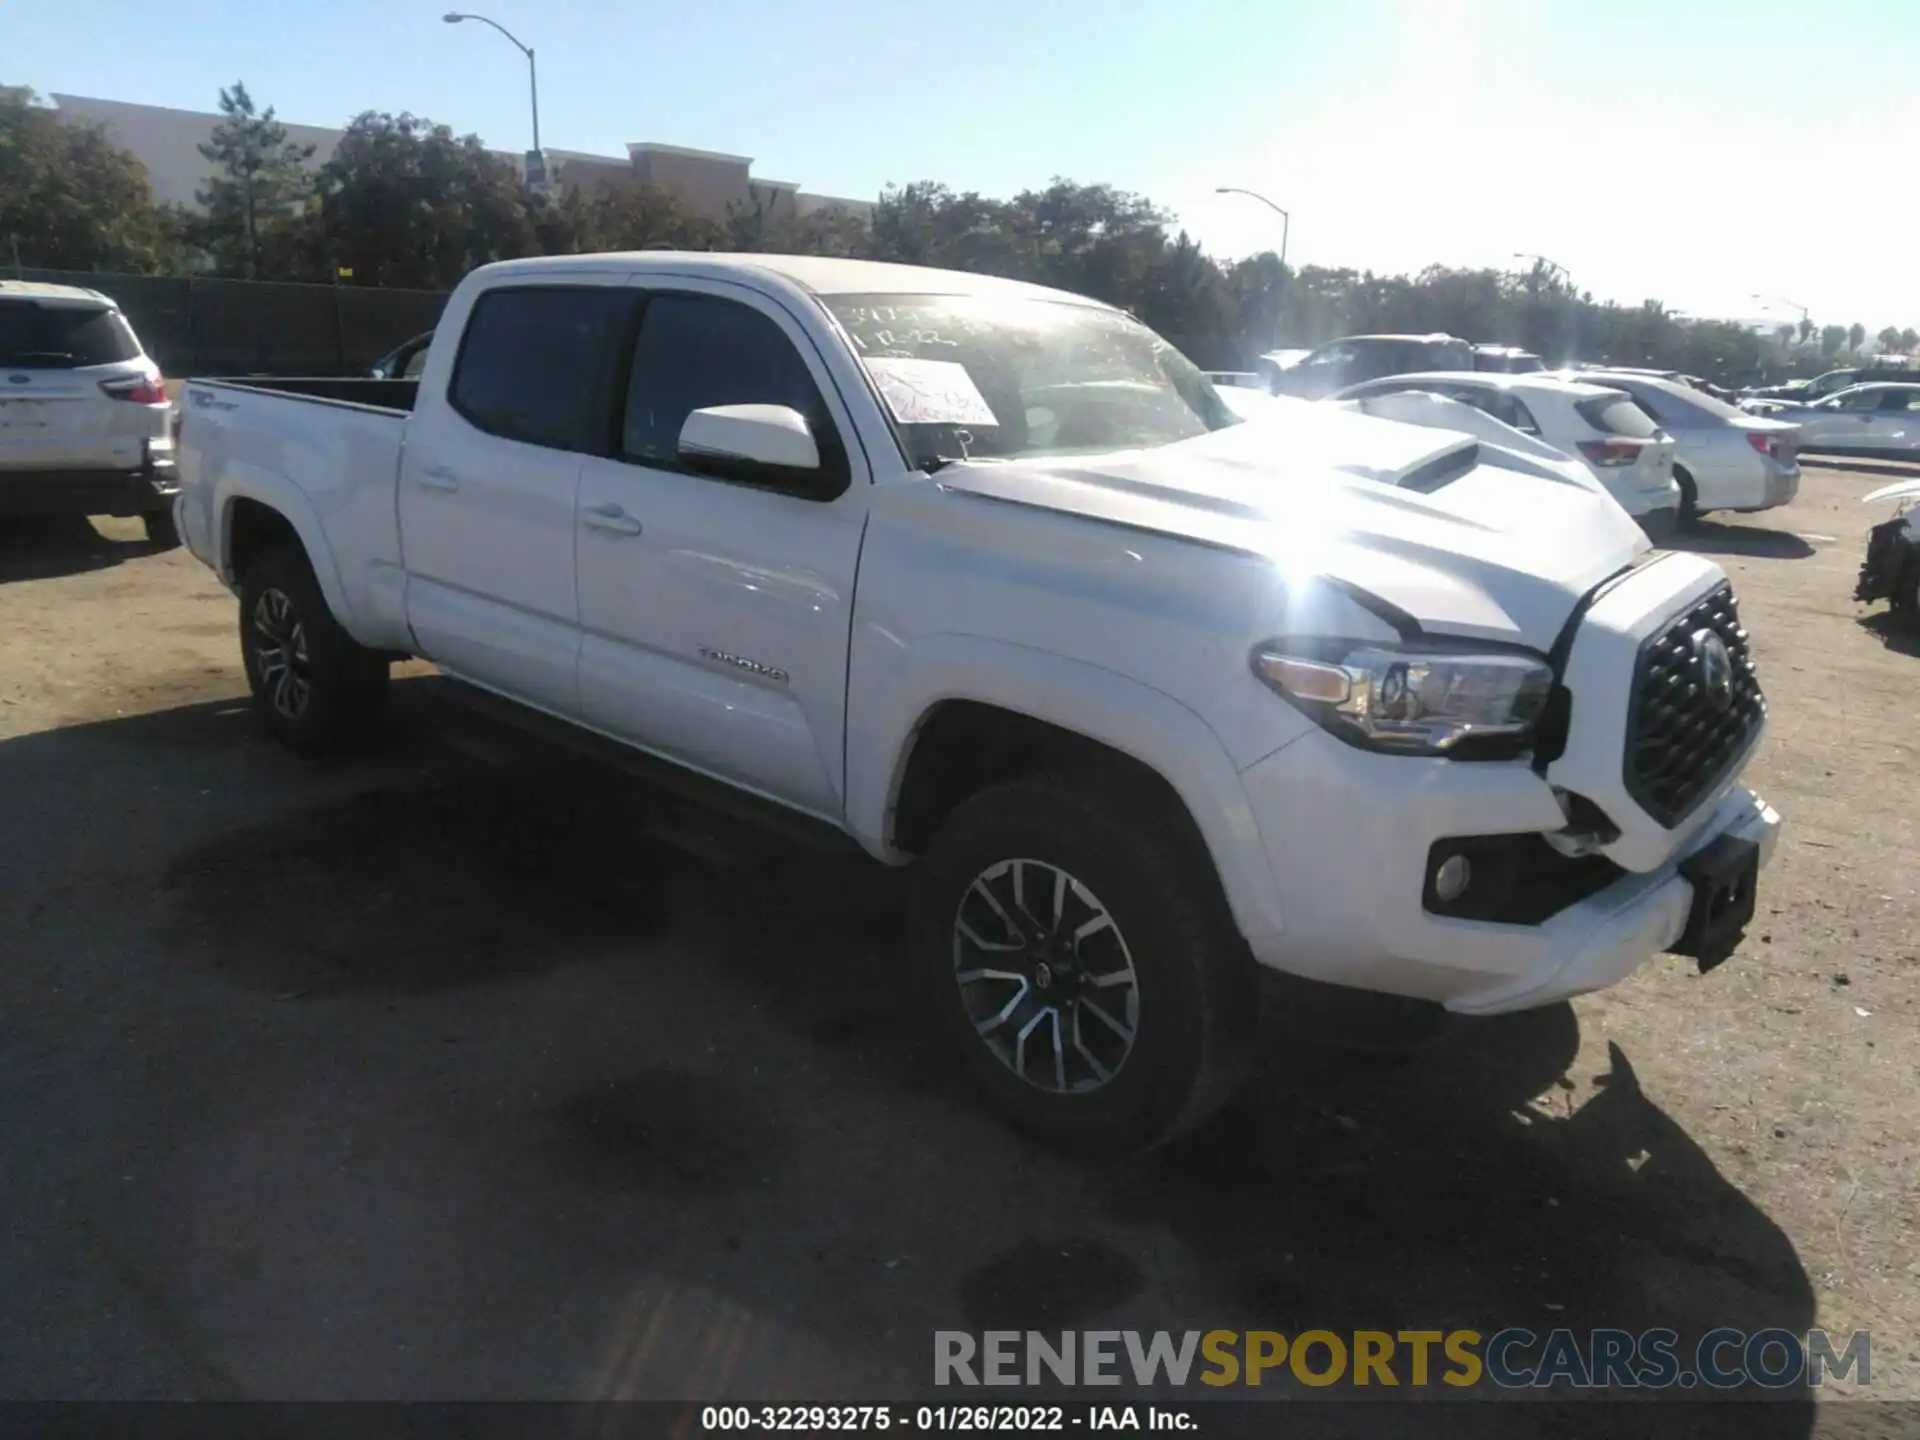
1045, 976
280, 655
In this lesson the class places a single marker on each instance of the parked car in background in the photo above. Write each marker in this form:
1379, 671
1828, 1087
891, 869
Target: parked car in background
1725, 458
405, 361
1506, 359
1340, 363
1271, 365
986, 578
1891, 569
1871, 420
1600, 426
1831, 383
85, 424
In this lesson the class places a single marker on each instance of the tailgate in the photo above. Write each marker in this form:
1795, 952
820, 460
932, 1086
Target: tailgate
62, 420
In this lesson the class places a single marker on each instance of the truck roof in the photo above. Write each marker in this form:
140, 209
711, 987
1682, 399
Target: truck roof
37, 290
822, 275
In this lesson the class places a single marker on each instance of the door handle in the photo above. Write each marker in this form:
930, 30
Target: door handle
438, 477
610, 518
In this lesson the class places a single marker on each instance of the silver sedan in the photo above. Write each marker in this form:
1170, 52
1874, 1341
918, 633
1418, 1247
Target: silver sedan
1725, 459
1879, 419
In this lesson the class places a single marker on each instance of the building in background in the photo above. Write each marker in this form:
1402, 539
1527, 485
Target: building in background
167, 142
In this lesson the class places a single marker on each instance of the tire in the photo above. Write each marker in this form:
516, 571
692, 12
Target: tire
330, 695
1689, 518
1905, 599
1185, 1022
161, 532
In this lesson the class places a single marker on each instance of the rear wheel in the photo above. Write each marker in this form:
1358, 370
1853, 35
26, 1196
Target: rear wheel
1081, 961
161, 532
314, 687
1689, 499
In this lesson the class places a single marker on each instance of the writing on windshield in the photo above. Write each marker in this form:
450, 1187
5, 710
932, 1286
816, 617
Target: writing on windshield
967, 377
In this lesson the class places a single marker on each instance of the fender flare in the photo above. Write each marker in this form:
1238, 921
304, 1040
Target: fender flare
281, 495
1103, 705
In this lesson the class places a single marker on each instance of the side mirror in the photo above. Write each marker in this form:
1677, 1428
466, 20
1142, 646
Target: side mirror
379, 372
760, 444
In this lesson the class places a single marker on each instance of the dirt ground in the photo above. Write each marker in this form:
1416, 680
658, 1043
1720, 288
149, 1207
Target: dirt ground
467, 1071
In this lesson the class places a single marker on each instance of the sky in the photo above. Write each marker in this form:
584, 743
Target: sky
1697, 154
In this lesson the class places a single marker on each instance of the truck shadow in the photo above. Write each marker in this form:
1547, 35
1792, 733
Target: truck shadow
731, 1064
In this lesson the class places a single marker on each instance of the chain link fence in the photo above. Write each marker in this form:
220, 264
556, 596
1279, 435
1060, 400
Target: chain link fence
198, 325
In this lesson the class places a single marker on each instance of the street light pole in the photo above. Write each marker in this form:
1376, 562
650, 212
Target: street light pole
1286, 220
454, 17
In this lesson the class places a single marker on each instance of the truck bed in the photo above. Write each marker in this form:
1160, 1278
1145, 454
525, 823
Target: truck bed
394, 395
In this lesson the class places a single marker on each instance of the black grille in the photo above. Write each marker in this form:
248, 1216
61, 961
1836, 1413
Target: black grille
1683, 733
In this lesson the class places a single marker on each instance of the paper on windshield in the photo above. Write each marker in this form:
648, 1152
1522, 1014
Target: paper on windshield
929, 392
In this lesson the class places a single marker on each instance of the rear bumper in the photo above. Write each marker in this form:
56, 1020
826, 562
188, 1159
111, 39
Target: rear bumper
88, 492
1782, 485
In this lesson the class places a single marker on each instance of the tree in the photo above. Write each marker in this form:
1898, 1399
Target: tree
1832, 337
402, 202
1806, 329
1889, 339
1909, 340
261, 188
1856, 336
70, 199
773, 225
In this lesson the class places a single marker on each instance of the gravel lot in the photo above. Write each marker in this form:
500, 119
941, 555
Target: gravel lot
469, 1072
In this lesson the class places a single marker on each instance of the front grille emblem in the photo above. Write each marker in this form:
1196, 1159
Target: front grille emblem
1715, 668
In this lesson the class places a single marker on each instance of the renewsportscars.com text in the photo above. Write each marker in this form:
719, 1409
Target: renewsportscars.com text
1511, 1358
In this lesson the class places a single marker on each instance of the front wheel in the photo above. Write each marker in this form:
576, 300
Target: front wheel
1905, 599
314, 687
1080, 958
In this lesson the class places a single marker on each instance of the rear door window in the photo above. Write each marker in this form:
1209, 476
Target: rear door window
536, 364
56, 335
1618, 415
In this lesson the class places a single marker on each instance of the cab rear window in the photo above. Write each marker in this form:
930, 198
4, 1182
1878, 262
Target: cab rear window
1618, 415
38, 335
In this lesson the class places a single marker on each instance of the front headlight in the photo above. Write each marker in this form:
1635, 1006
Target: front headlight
1407, 699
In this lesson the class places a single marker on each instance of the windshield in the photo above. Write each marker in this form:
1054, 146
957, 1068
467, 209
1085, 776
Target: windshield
967, 377
63, 336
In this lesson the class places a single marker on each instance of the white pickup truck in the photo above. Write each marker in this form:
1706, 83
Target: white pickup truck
987, 577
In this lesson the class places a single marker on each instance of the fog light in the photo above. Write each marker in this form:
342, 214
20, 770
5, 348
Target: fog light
1450, 881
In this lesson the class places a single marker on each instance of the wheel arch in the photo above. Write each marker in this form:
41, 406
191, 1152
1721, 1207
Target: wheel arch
257, 509
975, 711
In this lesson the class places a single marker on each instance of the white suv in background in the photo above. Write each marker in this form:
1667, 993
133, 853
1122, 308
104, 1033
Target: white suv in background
1626, 451
85, 427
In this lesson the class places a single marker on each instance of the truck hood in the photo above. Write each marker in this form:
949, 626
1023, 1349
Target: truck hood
1406, 514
